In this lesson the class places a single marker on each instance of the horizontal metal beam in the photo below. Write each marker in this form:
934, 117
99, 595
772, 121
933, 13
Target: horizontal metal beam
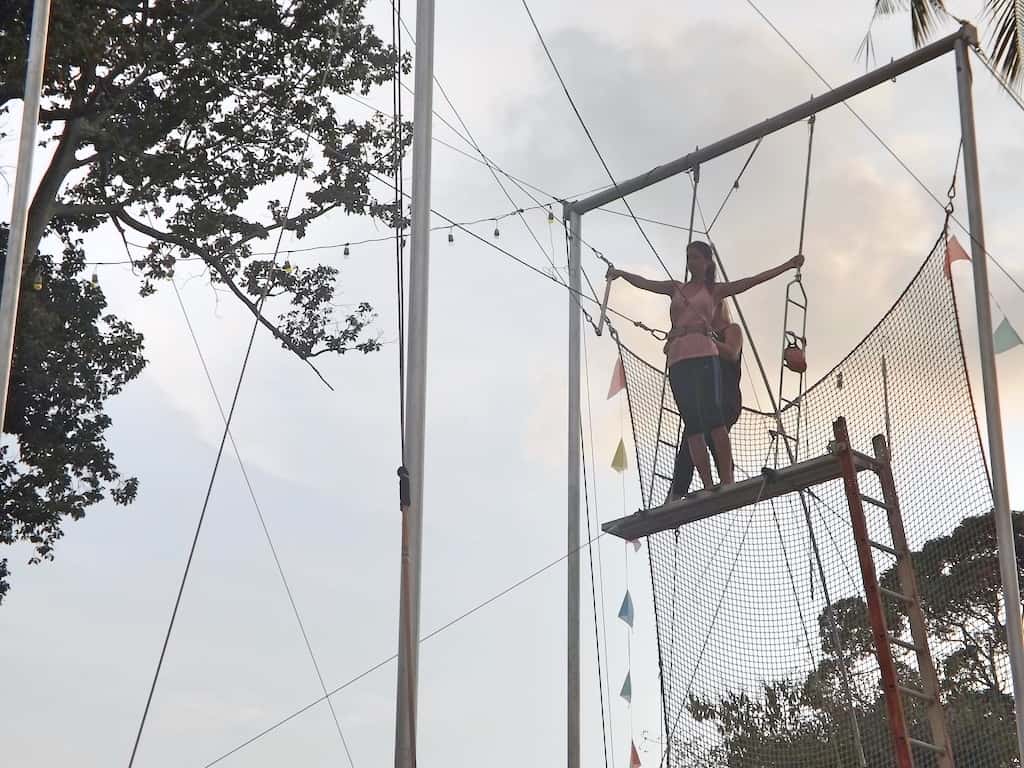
690, 509
815, 105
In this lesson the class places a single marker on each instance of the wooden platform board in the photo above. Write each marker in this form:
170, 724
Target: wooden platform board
796, 477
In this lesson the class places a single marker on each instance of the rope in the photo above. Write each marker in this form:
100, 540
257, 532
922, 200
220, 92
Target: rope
695, 181
227, 422
807, 185
733, 188
590, 552
593, 600
263, 522
590, 137
711, 626
444, 627
892, 153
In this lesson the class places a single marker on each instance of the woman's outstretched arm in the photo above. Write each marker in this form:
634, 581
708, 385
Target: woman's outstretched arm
724, 290
654, 286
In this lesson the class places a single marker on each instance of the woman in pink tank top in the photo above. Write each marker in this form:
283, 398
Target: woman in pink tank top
692, 355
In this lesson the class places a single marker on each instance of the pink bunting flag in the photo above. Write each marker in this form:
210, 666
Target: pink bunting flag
634, 756
618, 380
954, 252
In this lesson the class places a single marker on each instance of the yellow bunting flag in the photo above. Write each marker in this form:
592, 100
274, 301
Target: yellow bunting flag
619, 462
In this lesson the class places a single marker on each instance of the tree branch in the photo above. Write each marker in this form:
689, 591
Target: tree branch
217, 266
45, 199
64, 211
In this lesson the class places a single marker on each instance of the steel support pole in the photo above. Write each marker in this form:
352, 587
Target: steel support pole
573, 594
22, 184
416, 392
773, 124
990, 386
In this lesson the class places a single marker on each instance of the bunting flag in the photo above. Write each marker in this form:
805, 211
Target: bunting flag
954, 252
627, 689
636, 544
634, 756
619, 462
626, 611
618, 380
1005, 337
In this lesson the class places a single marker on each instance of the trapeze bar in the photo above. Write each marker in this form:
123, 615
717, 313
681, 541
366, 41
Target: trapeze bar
836, 96
779, 482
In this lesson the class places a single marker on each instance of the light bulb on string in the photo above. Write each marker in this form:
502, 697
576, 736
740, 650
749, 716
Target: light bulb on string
37, 280
288, 268
497, 232
346, 251
95, 279
551, 216
451, 236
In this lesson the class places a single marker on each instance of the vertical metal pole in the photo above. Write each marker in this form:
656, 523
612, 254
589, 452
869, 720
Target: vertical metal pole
22, 183
416, 392
573, 611
990, 385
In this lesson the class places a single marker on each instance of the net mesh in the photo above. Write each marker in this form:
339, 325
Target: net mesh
755, 669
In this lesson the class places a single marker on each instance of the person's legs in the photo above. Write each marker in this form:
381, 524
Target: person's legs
682, 475
699, 456
686, 378
723, 454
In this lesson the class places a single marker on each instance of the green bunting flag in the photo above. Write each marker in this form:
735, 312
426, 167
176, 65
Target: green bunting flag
1005, 338
627, 689
626, 610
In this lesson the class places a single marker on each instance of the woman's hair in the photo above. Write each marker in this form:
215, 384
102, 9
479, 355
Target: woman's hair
705, 250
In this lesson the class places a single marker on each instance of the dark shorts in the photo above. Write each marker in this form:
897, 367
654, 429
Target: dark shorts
697, 388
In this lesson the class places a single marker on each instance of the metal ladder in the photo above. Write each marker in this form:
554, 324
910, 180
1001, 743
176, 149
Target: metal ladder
908, 597
791, 383
667, 439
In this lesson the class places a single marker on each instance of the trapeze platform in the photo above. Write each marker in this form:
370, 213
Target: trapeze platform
769, 485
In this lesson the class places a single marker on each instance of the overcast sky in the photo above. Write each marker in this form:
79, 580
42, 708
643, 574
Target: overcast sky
79, 637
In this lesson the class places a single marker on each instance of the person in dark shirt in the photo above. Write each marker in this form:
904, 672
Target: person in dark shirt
729, 340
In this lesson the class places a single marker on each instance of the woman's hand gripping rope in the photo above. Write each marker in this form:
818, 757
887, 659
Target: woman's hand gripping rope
613, 274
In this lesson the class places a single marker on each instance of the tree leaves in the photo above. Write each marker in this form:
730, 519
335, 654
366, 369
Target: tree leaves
179, 119
176, 127
70, 357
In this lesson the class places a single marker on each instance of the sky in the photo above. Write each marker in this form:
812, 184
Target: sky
79, 637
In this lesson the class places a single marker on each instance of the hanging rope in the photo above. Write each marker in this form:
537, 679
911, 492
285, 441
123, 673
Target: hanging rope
807, 186
693, 202
593, 601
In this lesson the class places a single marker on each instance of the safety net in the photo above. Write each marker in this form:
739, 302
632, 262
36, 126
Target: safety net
756, 670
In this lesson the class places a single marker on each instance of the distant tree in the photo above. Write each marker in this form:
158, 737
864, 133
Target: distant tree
806, 722
183, 121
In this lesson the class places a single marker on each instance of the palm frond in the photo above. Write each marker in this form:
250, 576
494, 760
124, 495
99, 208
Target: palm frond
867, 50
925, 15
867, 45
1007, 38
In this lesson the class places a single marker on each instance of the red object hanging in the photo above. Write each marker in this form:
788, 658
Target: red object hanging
795, 358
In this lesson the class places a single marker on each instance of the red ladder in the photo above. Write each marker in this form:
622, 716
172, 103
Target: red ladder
908, 596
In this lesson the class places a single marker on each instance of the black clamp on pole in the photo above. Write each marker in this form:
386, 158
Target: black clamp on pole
404, 488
